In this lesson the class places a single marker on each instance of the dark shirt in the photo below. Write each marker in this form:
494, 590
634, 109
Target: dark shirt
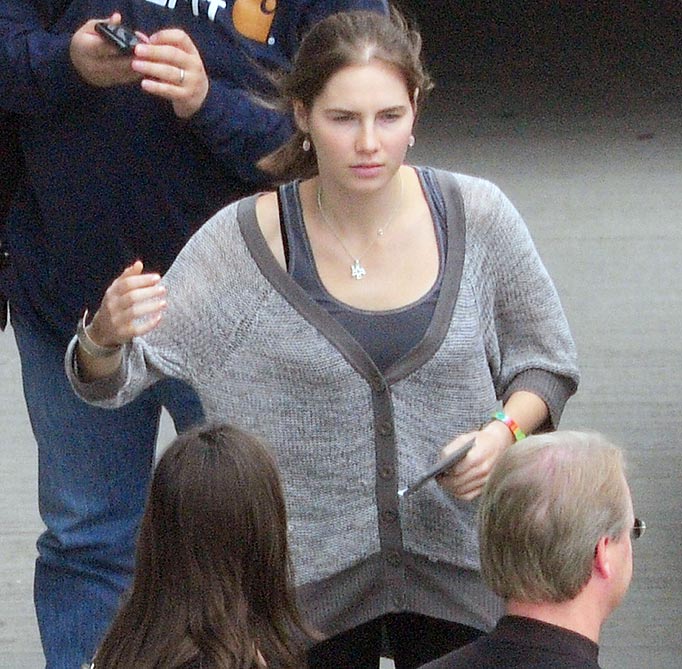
523, 643
112, 174
388, 335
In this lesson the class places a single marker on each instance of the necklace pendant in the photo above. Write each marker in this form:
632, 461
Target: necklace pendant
357, 271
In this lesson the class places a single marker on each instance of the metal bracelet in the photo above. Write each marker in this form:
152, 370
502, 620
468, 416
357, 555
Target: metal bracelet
92, 348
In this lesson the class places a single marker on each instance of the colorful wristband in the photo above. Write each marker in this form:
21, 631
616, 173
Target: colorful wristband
511, 424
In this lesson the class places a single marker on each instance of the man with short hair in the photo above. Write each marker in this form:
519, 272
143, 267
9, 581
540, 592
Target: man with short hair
555, 526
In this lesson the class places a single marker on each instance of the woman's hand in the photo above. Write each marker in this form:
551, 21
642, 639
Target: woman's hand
466, 480
98, 62
171, 67
133, 305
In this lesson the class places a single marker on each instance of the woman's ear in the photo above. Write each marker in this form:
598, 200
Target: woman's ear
301, 116
415, 100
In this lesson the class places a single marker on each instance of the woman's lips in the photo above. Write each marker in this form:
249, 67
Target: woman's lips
367, 170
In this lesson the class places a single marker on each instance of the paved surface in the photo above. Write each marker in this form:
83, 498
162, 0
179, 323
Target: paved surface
594, 164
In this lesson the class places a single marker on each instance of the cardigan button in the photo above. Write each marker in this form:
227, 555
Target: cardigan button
389, 516
385, 428
393, 558
386, 472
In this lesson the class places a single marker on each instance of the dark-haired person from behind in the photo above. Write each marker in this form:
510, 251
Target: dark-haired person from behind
556, 526
213, 586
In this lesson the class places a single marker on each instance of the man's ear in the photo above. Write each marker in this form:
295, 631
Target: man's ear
301, 116
602, 558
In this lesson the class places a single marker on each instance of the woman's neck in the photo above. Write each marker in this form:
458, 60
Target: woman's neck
355, 214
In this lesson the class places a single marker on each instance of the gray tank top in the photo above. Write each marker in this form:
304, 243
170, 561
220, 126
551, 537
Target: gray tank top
386, 336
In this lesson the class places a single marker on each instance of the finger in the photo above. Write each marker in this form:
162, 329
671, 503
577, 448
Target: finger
467, 487
126, 325
133, 314
164, 80
136, 268
160, 54
143, 326
130, 281
457, 443
164, 72
173, 37
143, 312
166, 91
470, 495
136, 294
136, 289
477, 470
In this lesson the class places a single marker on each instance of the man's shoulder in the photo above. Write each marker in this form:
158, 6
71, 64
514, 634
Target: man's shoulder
467, 657
489, 652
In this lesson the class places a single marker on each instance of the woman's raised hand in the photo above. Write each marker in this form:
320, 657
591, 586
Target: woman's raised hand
132, 306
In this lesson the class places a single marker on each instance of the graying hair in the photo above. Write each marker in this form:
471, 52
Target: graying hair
548, 501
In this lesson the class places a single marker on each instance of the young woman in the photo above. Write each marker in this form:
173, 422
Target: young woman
212, 586
363, 320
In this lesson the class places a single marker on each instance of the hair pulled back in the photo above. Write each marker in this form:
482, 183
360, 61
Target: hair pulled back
342, 40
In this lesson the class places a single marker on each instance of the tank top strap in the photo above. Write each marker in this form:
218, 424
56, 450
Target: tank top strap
297, 251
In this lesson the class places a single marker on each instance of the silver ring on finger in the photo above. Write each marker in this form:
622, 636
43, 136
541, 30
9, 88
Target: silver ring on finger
182, 75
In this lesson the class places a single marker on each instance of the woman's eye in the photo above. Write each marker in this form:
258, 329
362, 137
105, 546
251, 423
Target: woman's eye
391, 116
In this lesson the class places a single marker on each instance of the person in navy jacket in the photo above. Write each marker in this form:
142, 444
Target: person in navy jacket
125, 156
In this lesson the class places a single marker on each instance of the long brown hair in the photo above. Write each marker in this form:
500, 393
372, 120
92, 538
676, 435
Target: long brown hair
213, 579
341, 40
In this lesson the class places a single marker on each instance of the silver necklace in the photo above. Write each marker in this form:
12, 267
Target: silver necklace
357, 271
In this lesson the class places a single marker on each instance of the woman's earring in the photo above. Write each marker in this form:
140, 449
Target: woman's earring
305, 145
410, 141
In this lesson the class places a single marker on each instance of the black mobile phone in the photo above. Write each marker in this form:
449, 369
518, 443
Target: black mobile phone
124, 38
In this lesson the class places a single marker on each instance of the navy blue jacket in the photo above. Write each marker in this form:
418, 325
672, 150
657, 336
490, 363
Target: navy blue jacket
112, 174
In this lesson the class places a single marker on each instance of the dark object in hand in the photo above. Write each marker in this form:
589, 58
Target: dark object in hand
124, 38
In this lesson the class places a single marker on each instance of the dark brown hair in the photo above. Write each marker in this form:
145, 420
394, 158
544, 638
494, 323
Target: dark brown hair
341, 40
213, 579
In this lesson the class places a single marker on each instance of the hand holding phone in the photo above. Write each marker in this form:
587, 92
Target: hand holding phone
439, 468
116, 33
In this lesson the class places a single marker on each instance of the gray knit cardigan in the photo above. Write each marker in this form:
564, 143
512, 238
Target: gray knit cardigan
261, 354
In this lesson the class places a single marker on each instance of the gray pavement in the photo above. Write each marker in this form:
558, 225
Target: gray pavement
599, 181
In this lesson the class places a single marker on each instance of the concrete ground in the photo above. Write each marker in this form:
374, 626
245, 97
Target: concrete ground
591, 155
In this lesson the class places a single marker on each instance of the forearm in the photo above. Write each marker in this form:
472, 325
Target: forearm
108, 388
239, 130
90, 368
526, 409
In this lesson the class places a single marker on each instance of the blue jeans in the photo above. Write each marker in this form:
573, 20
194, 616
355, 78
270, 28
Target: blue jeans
94, 467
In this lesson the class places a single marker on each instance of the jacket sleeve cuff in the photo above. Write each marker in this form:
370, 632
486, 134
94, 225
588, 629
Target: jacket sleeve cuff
101, 392
553, 389
239, 130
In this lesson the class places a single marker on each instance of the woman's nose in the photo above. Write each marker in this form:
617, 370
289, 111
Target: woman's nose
367, 139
